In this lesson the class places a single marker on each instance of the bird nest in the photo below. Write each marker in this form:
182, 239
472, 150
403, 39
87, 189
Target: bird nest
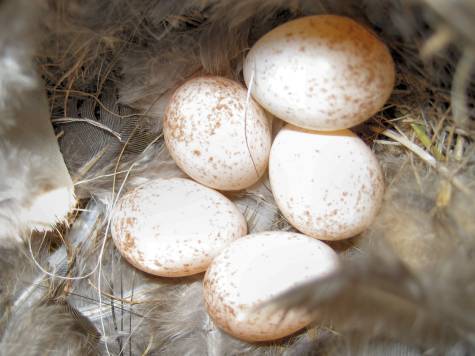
406, 284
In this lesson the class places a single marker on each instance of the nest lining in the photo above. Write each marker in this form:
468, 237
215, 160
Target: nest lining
109, 67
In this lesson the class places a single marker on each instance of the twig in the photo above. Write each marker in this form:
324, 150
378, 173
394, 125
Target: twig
114, 297
99, 177
66, 120
427, 142
149, 346
387, 143
425, 156
99, 102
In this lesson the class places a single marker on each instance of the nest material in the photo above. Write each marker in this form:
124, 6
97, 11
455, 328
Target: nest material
109, 67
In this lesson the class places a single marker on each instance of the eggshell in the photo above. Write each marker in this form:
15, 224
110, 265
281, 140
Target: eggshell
322, 72
257, 268
213, 138
174, 227
328, 185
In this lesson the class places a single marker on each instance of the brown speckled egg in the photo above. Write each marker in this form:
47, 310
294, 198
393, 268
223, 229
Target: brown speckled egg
328, 185
257, 268
174, 227
322, 72
213, 137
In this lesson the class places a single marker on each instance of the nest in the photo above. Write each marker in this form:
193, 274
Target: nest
406, 286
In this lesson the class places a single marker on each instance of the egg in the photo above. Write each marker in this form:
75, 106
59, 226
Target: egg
322, 72
217, 134
252, 271
174, 227
328, 185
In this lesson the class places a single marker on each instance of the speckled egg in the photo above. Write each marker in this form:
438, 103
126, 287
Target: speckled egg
216, 138
174, 227
322, 72
257, 268
328, 185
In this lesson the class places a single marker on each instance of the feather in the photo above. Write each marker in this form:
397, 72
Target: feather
417, 296
36, 190
405, 286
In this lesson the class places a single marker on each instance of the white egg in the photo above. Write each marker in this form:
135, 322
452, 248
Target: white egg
174, 227
328, 185
322, 72
255, 269
216, 138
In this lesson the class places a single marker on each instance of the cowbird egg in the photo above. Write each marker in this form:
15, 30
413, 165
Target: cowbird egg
174, 227
320, 72
327, 184
255, 269
216, 138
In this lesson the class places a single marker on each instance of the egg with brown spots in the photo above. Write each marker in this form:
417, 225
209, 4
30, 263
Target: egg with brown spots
174, 227
217, 134
255, 269
328, 185
321, 72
